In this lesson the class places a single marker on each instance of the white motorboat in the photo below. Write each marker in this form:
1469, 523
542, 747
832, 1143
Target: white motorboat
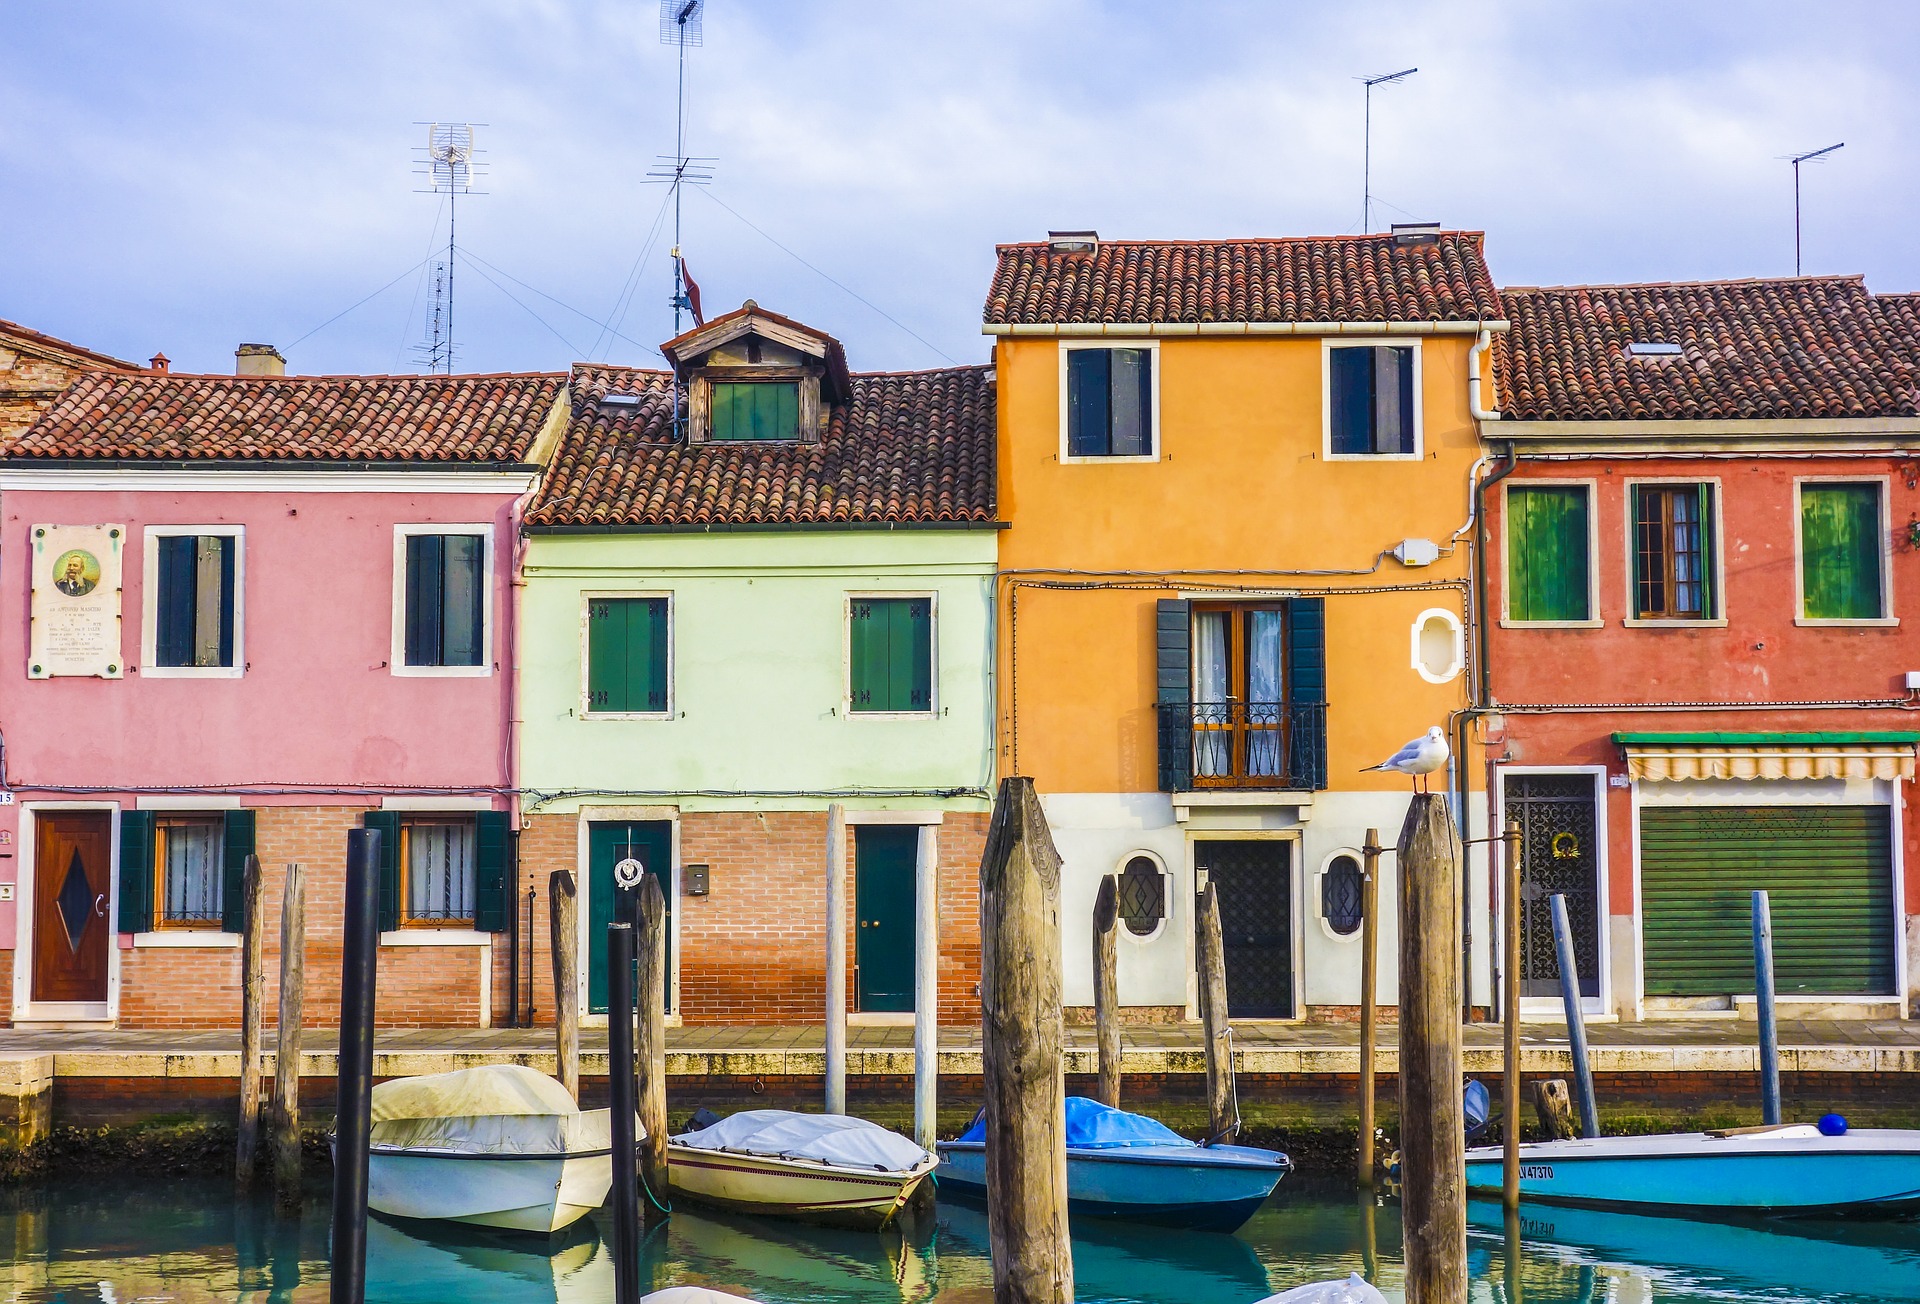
499, 1146
818, 1167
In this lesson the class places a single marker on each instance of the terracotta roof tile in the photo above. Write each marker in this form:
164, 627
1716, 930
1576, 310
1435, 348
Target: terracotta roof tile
169, 417
909, 446
1797, 347
63, 349
1309, 279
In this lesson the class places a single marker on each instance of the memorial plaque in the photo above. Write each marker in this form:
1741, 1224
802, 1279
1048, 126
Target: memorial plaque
76, 601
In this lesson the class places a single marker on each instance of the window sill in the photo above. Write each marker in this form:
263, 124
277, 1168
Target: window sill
1654, 622
440, 672
1877, 622
852, 714
192, 672
1507, 623
435, 937
627, 715
203, 939
1373, 457
1098, 459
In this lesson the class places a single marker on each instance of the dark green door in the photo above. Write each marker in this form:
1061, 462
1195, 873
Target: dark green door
651, 843
1828, 872
883, 859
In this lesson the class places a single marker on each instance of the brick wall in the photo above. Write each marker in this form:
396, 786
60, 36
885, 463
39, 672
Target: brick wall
6, 987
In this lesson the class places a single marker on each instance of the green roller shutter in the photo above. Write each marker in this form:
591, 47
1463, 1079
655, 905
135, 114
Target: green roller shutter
1548, 567
1828, 872
1840, 551
136, 871
236, 844
388, 822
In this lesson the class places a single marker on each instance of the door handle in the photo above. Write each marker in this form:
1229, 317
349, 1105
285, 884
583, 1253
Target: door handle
100, 906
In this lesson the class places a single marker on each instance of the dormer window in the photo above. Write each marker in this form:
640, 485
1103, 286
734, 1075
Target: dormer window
754, 409
756, 377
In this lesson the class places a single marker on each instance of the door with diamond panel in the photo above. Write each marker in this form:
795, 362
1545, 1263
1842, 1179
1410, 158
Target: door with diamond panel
72, 890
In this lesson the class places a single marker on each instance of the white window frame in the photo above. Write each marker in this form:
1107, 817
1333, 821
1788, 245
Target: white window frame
396, 660
1458, 632
150, 601
1630, 621
1887, 619
587, 598
1507, 619
1166, 896
846, 655
1318, 890
1327, 346
1148, 346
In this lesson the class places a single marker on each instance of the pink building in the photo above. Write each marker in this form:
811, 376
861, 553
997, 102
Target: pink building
242, 615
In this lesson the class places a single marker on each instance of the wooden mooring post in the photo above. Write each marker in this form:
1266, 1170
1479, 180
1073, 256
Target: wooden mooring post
1223, 1113
1024, 1077
650, 1046
252, 995
836, 926
1369, 1000
1106, 990
359, 975
1432, 1123
563, 936
1510, 1017
1576, 1021
286, 1051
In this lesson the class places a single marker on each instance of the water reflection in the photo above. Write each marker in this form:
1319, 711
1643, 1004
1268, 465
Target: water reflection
189, 1241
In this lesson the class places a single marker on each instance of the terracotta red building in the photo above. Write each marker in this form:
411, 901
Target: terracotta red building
1700, 597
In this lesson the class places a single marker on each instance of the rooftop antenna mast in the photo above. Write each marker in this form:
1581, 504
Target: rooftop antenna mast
1366, 147
1797, 160
680, 25
450, 165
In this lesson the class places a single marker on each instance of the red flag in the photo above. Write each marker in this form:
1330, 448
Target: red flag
693, 294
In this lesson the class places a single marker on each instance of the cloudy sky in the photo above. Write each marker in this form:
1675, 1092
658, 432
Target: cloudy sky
190, 175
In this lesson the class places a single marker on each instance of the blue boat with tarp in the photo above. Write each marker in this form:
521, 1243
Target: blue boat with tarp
1122, 1165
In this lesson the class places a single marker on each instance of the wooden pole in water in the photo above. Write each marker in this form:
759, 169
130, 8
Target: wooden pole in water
1106, 990
252, 993
1763, 1002
1024, 1076
563, 936
1510, 1017
1576, 1021
286, 1053
651, 1044
360, 950
1369, 999
926, 986
1433, 1129
836, 959
1222, 1114
620, 1096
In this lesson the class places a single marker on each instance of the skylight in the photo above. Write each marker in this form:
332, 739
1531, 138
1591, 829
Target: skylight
622, 400
1653, 349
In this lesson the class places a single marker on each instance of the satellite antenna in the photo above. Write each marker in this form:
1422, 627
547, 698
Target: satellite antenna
680, 25
1797, 160
450, 164
1366, 148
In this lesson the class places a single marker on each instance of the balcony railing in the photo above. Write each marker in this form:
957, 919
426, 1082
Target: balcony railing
1243, 745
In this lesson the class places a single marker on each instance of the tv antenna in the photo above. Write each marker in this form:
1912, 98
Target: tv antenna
449, 161
1797, 160
1366, 147
680, 25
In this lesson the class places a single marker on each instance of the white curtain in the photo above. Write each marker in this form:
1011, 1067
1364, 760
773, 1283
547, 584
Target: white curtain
1264, 697
1212, 743
440, 871
193, 891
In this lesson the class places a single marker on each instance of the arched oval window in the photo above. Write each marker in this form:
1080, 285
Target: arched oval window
1340, 895
1439, 645
1142, 897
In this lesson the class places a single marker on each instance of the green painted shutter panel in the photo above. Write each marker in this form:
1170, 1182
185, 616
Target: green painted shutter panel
1840, 551
463, 619
1132, 403
173, 602
627, 654
1306, 672
1173, 688
492, 884
910, 654
754, 410
606, 655
388, 823
229, 557
136, 871
866, 655
652, 612
1089, 400
423, 599
1548, 566
1828, 872
236, 844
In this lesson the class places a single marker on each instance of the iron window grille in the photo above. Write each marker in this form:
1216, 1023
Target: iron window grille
1142, 896
1245, 744
1340, 895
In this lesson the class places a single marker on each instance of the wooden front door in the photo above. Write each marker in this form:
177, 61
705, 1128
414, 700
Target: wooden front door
883, 908
608, 844
72, 889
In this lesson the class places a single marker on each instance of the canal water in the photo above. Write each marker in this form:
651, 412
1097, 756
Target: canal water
154, 1240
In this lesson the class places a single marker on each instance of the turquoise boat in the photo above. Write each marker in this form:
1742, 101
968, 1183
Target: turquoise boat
1792, 1168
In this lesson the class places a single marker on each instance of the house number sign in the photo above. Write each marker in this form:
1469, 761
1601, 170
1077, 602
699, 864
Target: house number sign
76, 601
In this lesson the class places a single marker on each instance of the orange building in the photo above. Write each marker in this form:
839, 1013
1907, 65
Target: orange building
1237, 477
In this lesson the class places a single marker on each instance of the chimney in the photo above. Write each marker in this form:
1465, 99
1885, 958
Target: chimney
258, 360
159, 363
1073, 242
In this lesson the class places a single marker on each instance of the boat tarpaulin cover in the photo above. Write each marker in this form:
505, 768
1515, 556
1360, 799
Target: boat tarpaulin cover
501, 1109
1094, 1126
822, 1138
494, 1089
503, 1134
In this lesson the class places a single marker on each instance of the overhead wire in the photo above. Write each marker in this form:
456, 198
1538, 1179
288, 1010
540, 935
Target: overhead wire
433, 244
578, 312
357, 303
553, 330
623, 302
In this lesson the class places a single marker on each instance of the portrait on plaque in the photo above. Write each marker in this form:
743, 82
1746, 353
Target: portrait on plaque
76, 601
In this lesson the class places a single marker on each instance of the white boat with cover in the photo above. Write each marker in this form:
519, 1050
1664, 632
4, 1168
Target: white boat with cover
499, 1146
819, 1167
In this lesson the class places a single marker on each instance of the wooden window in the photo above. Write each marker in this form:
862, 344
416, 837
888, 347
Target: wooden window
1840, 551
626, 655
1239, 695
445, 599
755, 409
890, 664
1549, 562
194, 605
1109, 402
1340, 895
437, 863
189, 871
1371, 400
1142, 896
1673, 552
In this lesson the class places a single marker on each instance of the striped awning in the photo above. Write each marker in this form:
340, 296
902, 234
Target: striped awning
1669, 757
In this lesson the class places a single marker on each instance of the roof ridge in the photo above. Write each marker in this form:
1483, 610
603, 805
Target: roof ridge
1238, 240
118, 364
143, 374
1851, 278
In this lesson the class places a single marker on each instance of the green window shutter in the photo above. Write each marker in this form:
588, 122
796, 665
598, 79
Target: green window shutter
463, 619
1132, 403
492, 884
1840, 551
1089, 402
627, 654
236, 844
606, 655
1173, 690
1548, 566
652, 613
1709, 595
173, 603
424, 575
909, 654
136, 871
867, 655
388, 823
1306, 670
753, 410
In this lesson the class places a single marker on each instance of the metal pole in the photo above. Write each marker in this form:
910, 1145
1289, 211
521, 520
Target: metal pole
836, 921
1369, 985
1796, 217
1510, 1018
622, 1096
926, 986
360, 945
1366, 168
1576, 1025
1763, 1000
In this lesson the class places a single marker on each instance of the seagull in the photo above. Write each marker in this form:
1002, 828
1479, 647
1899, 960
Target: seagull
1419, 758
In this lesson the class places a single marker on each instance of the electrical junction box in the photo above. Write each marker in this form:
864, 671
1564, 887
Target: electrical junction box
1913, 680
693, 880
1416, 552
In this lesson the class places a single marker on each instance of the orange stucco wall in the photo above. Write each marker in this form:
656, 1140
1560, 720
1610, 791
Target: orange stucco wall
1241, 484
